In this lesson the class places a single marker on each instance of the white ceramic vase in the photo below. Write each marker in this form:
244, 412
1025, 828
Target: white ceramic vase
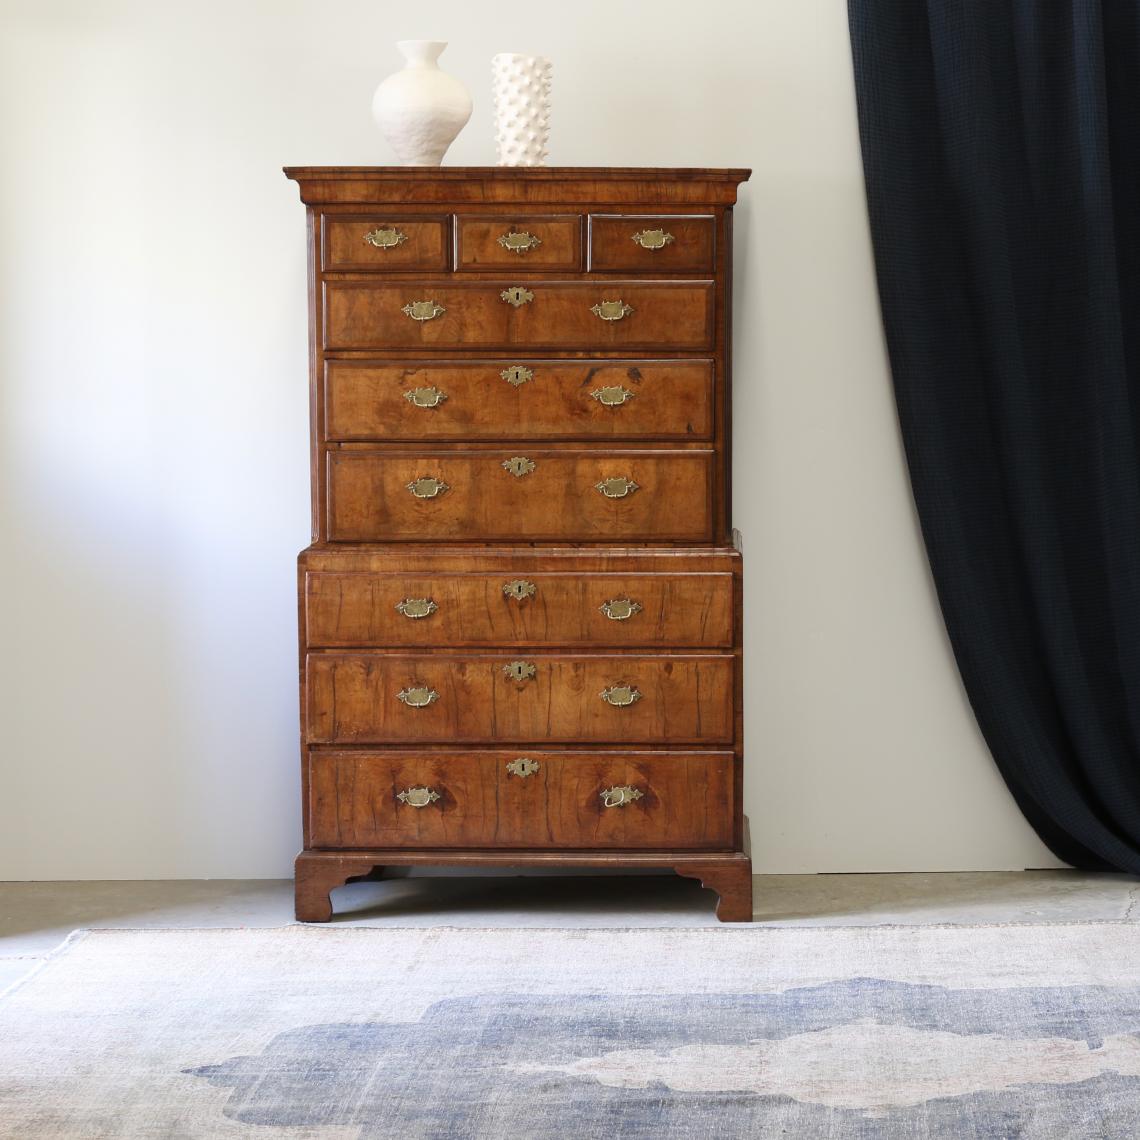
521, 88
421, 109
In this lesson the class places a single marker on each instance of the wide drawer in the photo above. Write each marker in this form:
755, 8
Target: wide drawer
511, 399
549, 241
515, 311
564, 495
385, 242
446, 697
508, 799
652, 244
401, 609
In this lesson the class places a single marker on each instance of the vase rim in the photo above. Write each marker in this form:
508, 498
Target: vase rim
421, 53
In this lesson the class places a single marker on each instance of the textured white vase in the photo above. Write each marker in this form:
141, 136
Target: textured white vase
421, 109
521, 88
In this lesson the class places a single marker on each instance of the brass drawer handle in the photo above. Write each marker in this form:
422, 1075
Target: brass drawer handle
416, 607
425, 397
620, 696
620, 795
611, 310
517, 374
427, 487
385, 237
620, 609
518, 241
518, 466
517, 295
616, 487
519, 589
424, 310
523, 767
520, 671
612, 396
653, 239
418, 797
418, 696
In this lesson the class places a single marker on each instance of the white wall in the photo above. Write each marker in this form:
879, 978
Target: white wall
153, 345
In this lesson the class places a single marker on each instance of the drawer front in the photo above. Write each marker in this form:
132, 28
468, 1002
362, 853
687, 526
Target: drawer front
630, 800
513, 399
520, 495
394, 610
355, 698
516, 312
552, 242
385, 242
684, 244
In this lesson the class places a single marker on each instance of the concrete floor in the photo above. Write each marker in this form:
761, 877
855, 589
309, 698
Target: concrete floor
35, 917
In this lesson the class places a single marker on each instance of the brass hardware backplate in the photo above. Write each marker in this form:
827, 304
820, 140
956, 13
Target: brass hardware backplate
524, 766
519, 242
425, 397
518, 466
517, 374
620, 696
616, 487
418, 797
519, 670
427, 487
620, 609
517, 295
612, 396
418, 696
611, 310
620, 795
416, 607
519, 589
385, 237
424, 310
653, 239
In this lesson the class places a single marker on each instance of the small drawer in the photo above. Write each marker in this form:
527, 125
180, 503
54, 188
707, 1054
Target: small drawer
552, 242
519, 399
519, 312
520, 495
683, 243
384, 242
441, 697
354, 609
534, 799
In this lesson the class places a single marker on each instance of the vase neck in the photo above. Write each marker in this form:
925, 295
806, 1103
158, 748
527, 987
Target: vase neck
421, 53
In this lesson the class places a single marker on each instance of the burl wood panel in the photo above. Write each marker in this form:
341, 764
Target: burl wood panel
346, 609
664, 315
353, 698
425, 245
660, 399
369, 499
559, 242
686, 800
691, 250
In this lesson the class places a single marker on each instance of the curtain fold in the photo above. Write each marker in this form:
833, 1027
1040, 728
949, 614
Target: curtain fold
1001, 150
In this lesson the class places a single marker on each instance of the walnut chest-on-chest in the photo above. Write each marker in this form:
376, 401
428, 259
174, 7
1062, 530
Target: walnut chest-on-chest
521, 611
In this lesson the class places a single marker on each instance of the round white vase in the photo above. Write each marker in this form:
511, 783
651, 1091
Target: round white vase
421, 109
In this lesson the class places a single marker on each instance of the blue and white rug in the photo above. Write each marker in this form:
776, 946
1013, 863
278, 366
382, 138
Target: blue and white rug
1027, 1032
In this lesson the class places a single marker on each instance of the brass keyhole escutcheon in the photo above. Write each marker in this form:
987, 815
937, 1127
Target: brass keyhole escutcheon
423, 310
620, 696
620, 609
520, 671
612, 396
418, 797
523, 767
427, 487
425, 397
519, 242
620, 795
653, 239
611, 310
517, 295
416, 607
517, 374
519, 589
518, 466
616, 487
385, 237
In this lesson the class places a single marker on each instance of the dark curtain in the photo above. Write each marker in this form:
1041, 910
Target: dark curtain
1001, 148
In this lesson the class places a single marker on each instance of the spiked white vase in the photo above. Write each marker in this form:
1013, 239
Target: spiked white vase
520, 85
421, 109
